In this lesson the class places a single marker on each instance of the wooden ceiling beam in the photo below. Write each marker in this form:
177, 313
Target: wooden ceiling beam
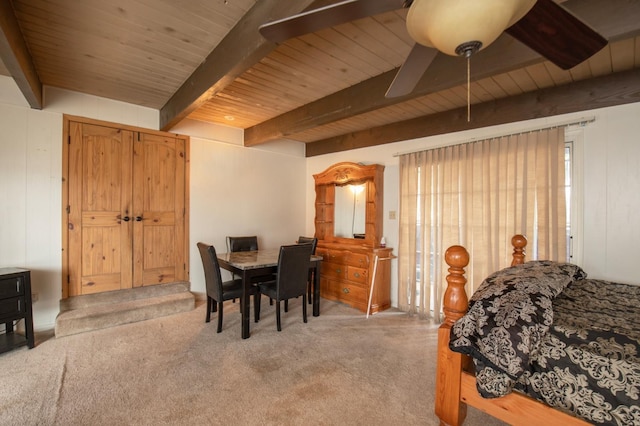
445, 72
16, 57
242, 47
614, 89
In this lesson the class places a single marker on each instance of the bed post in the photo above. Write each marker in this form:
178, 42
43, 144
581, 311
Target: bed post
449, 408
519, 242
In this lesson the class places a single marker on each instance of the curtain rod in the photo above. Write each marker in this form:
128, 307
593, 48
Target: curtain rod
581, 122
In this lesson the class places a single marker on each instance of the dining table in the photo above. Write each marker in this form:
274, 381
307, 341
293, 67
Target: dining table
258, 263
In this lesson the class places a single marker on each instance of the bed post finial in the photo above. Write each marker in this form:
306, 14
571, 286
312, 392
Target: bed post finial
448, 406
455, 301
519, 242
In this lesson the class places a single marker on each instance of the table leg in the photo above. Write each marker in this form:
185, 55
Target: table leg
246, 303
316, 290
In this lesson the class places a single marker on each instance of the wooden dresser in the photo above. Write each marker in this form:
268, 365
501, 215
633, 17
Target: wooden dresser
349, 264
347, 275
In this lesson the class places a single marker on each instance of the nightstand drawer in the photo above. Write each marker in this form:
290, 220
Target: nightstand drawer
11, 287
12, 307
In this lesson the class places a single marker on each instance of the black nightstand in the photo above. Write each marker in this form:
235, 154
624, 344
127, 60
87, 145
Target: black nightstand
15, 304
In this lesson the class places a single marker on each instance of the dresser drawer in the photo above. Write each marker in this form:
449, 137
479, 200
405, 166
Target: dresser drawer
347, 257
332, 256
11, 287
333, 270
350, 293
356, 259
359, 275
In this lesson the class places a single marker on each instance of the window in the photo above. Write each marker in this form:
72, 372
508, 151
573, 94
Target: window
478, 195
569, 176
573, 176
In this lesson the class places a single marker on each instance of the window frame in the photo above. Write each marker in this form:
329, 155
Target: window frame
574, 137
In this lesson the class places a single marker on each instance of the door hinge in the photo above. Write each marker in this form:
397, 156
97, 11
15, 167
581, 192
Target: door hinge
68, 279
69, 140
68, 209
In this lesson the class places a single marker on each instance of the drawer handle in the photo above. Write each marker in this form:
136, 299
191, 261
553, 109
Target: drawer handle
345, 290
356, 274
338, 270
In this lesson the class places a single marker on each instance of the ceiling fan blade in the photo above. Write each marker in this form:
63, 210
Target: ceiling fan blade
557, 35
325, 17
411, 71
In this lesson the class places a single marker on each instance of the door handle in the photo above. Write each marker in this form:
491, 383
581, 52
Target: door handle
139, 218
126, 218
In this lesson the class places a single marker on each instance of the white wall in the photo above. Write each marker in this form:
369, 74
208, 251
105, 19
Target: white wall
234, 190
611, 149
238, 191
30, 193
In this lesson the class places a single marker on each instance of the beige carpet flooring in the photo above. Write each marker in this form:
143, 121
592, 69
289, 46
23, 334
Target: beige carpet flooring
338, 369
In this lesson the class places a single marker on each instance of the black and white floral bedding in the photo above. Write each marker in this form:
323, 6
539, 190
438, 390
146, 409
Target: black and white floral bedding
544, 329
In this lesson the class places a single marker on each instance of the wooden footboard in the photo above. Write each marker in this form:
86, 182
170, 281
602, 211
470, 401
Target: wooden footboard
455, 387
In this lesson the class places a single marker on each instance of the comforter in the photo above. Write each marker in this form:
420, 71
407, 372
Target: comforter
571, 342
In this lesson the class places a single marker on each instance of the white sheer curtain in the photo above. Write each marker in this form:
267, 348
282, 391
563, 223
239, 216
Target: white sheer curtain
478, 195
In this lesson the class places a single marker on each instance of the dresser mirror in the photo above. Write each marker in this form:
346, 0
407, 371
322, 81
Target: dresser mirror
349, 211
349, 204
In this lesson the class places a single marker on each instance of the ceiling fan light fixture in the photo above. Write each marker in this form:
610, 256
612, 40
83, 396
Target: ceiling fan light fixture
449, 24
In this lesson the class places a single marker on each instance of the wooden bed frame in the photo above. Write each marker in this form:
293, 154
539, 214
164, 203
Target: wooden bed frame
456, 384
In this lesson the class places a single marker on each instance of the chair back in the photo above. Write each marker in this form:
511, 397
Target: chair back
293, 270
242, 243
309, 240
212, 276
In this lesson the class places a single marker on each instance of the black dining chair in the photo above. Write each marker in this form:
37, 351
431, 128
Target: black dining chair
242, 243
291, 278
314, 242
219, 291
247, 243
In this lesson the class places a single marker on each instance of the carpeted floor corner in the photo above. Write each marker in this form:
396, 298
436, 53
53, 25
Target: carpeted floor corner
338, 369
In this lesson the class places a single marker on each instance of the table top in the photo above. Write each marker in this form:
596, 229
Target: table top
255, 259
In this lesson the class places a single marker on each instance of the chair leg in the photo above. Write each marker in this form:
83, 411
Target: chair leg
256, 306
278, 315
286, 305
220, 317
209, 307
304, 308
310, 287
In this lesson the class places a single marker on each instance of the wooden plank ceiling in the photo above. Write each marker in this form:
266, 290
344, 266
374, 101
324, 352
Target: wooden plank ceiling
205, 60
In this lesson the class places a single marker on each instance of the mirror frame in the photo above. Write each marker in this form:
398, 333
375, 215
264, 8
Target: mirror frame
347, 173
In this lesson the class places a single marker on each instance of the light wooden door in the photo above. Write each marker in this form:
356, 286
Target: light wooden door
159, 205
126, 209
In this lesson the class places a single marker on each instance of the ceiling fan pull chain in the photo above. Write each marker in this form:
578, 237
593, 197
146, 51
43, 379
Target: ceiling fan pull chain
468, 88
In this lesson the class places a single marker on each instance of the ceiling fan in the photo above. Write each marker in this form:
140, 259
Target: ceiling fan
458, 28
